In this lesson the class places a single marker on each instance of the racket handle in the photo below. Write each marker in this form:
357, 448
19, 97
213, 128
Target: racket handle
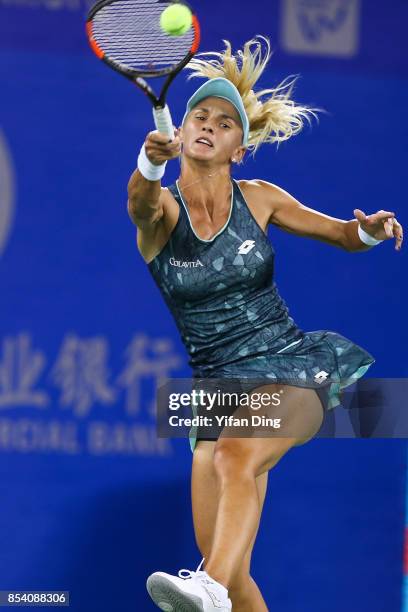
163, 121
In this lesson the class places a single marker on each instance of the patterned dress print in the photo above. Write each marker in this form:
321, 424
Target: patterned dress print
232, 320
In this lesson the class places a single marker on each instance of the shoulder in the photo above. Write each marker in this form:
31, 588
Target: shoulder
167, 197
263, 188
151, 239
170, 210
264, 194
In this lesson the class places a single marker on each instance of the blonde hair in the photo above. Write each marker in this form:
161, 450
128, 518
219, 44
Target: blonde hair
275, 119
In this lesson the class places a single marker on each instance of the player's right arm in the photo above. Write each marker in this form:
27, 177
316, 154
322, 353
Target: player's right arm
150, 207
146, 198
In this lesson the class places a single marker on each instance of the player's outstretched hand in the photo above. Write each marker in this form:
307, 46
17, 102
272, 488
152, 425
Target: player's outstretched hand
159, 149
381, 225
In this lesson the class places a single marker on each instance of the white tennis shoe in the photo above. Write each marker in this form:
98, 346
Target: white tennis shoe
191, 592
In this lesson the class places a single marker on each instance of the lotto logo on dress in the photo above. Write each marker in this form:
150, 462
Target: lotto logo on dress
246, 246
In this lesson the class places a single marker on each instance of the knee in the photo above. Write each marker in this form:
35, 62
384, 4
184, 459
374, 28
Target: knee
229, 462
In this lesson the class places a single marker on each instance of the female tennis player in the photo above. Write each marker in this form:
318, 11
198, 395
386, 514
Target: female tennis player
205, 242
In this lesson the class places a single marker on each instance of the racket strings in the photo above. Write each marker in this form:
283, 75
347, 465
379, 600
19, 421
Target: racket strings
129, 33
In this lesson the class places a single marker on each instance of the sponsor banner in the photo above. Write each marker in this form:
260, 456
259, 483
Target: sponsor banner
76, 403
326, 27
345, 35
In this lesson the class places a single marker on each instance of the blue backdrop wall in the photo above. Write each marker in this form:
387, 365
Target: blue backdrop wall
91, 500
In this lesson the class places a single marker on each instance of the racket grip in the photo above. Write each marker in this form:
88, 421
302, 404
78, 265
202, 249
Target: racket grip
163, 121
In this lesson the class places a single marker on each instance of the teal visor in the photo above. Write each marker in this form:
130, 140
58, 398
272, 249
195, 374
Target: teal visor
221, 88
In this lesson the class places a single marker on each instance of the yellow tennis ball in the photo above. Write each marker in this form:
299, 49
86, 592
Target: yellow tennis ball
176, 19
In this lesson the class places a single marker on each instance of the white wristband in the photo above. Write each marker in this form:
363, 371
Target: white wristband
366, 238
150, 171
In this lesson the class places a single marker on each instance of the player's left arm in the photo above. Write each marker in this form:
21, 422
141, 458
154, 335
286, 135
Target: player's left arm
290, 215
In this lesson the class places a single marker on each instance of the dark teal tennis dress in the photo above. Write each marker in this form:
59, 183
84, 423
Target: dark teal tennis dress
232, 320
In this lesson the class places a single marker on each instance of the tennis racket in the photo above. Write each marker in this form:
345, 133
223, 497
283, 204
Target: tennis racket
126, 35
